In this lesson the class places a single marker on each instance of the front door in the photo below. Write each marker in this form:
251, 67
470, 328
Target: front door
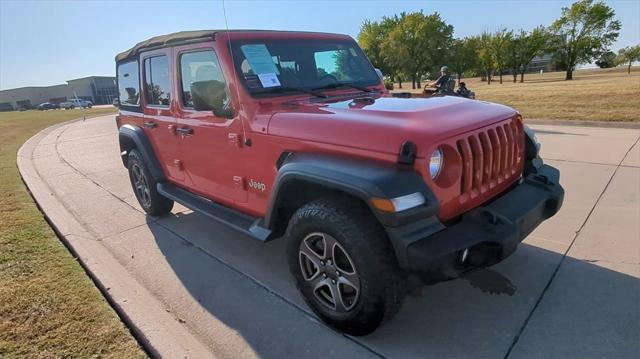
210, 145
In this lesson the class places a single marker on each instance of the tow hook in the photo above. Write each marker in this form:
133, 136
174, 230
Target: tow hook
544, 179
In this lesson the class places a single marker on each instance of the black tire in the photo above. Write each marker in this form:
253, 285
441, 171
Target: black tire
368, 260
72, 107
144, 187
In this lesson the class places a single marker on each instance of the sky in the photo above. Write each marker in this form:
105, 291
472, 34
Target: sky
46, 43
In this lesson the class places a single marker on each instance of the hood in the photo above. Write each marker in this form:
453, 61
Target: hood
383, 124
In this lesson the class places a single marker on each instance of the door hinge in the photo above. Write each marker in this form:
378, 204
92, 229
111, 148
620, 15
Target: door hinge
239, 182
178, 164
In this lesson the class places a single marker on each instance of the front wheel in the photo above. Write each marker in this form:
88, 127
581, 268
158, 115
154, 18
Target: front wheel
344, 265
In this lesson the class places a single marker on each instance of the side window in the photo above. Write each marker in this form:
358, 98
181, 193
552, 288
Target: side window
201, 70
129, 83
157, 83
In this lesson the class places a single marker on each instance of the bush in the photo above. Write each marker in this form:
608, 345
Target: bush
388, 84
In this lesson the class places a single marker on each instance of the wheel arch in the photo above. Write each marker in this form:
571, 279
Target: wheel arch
297, 190
134, 137
302, 178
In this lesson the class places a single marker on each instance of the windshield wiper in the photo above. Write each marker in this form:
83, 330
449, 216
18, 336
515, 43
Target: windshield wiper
298, 89
343, 84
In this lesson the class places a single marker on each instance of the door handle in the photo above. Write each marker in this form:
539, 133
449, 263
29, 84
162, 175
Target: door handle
150, 124
184, 131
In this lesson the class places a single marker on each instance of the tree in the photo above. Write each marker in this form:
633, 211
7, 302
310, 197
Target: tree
532, 44
418, 44
371, 37
583, 31
463, 55
515, 53
485, 55
628, 55
606, 60
499, 44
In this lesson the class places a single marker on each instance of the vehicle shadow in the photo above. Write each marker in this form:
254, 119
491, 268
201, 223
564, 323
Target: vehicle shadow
246, 285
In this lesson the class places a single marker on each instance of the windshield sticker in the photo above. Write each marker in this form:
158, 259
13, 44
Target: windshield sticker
269, 80
260, 59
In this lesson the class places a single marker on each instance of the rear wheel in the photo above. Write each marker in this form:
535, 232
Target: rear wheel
145, 187
344, 265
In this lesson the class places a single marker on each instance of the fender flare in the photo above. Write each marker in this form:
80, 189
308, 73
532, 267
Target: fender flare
363, 179
129, 134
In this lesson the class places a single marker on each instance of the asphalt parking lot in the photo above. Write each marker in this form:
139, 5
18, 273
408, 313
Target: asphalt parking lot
191, 287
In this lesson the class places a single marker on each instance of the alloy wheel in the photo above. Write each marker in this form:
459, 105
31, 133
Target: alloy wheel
141, 185
329, 272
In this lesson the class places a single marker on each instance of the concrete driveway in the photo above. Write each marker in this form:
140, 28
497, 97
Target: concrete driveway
190, 287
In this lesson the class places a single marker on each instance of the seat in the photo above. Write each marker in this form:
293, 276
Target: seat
449, 87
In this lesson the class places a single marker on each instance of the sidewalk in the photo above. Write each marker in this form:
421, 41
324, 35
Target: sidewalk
194, 288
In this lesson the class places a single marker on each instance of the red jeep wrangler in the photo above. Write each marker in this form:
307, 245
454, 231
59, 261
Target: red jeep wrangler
292, 134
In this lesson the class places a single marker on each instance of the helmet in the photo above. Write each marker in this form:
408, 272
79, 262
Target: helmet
444, 69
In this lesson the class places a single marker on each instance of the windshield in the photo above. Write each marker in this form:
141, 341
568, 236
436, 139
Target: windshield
279, 66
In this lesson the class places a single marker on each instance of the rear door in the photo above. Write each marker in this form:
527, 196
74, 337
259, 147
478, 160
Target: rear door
158, 120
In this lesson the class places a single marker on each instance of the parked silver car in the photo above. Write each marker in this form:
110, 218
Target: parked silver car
76, 103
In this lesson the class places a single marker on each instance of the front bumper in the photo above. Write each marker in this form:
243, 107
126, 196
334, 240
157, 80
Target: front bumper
487, 234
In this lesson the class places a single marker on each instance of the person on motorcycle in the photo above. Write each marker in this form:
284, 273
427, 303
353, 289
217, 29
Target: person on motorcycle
439, 85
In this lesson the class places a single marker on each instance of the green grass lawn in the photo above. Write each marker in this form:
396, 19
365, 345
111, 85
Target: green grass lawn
49, 308
593, 94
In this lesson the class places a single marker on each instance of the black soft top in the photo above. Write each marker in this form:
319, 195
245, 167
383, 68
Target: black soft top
191, 36
166, 40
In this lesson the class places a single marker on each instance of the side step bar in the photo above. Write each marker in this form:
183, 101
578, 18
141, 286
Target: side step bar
244, 223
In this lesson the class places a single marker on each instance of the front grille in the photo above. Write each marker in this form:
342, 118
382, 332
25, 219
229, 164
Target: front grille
490, 157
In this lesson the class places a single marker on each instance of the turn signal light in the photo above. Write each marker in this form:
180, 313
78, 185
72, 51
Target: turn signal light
398, 204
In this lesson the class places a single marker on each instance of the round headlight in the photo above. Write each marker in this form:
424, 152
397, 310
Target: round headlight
435, 164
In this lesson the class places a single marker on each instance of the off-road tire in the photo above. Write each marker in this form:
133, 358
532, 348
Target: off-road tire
148, 197
382, 284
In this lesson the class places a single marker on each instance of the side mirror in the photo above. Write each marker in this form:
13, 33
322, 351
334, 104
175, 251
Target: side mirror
225, 112
211, 96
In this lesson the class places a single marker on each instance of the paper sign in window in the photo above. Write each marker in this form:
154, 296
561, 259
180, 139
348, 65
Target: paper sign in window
260, 59
269, 80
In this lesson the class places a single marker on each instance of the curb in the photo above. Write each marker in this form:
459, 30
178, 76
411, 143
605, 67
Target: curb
157, 332
583, 123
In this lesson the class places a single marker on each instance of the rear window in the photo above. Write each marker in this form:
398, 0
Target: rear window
129, 83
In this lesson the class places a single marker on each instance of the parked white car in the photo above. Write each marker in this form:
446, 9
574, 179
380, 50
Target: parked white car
76, 102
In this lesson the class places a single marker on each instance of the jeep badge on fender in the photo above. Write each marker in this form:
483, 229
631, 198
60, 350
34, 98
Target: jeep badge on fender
366, 188
257, 185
